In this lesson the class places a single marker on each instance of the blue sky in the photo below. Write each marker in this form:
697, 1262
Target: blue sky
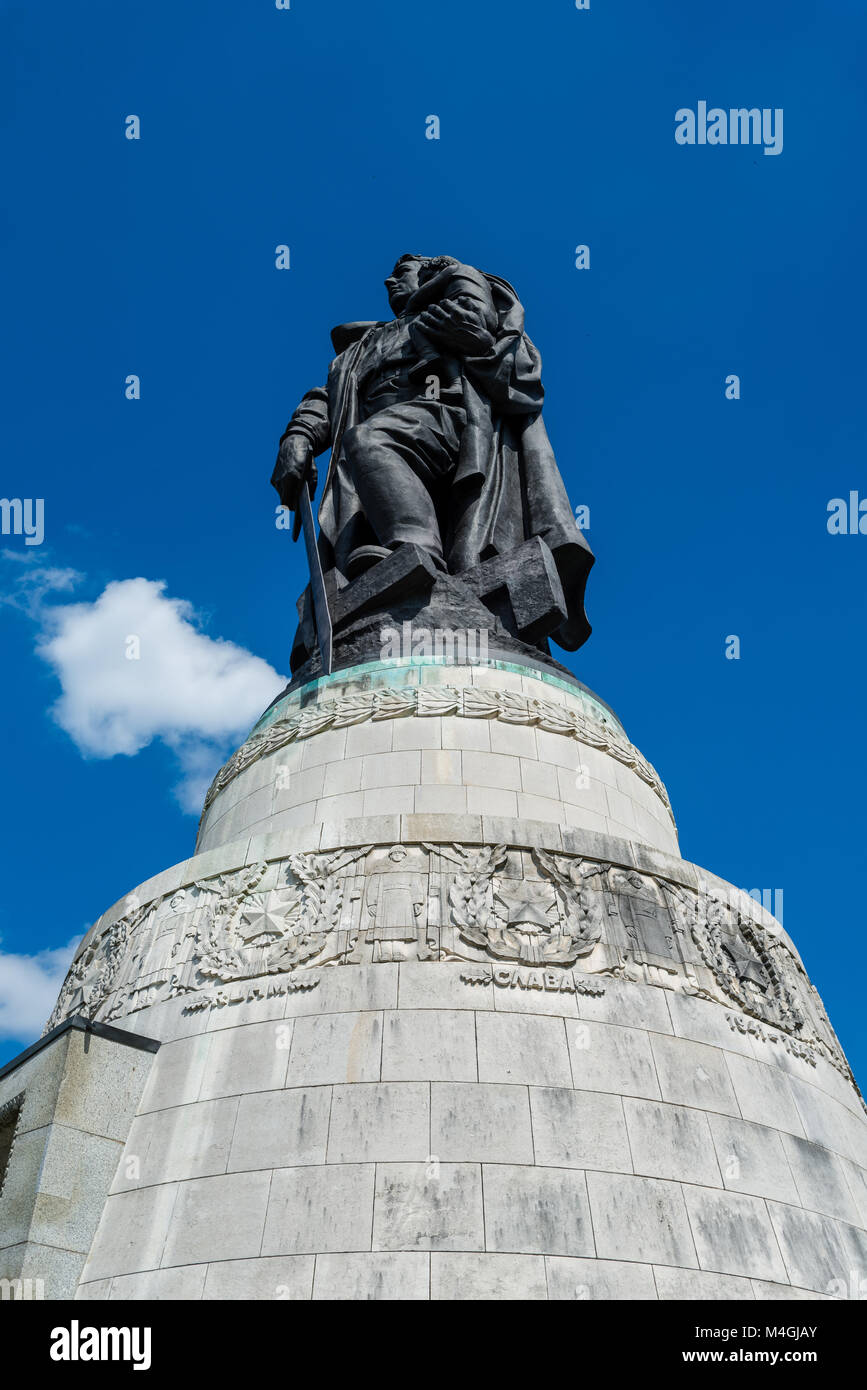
307, 127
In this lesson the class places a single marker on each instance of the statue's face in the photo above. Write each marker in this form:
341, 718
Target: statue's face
401, 284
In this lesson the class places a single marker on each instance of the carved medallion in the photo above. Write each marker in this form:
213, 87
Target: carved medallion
534, 922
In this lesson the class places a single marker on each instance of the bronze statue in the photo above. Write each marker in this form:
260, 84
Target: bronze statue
437, 443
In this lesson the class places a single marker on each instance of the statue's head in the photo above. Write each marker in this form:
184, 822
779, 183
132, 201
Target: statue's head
410, 272
403, 281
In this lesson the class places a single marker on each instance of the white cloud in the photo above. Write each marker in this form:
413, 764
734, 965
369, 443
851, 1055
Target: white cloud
134, 667
29, 986
200, 762
33, 581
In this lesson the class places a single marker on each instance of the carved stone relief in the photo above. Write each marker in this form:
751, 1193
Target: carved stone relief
470, 702
10, 1119
272, 927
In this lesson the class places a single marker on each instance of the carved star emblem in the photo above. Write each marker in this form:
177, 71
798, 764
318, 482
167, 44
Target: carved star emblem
747, 968
527, 910
263, 920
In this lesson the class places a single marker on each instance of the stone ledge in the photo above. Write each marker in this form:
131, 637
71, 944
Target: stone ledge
440, 1276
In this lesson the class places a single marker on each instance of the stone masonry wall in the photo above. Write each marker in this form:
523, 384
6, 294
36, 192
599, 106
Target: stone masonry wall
402, 1133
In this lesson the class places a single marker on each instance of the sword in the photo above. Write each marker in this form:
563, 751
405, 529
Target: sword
303, 520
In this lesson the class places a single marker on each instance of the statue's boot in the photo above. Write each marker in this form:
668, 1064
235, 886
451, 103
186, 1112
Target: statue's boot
363, 557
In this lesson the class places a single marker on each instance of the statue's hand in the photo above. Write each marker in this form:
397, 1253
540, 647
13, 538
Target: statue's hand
294, 460
452, 325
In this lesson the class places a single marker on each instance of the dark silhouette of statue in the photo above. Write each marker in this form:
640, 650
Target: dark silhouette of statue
442, 480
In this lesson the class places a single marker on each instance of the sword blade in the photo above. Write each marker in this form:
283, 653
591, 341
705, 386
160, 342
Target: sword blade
321, 615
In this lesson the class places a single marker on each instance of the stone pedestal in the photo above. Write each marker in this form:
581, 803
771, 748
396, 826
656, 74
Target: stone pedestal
443, 1014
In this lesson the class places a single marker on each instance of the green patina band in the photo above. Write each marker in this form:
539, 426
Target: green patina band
391, 669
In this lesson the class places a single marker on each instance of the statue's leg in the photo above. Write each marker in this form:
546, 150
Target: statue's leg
400, 460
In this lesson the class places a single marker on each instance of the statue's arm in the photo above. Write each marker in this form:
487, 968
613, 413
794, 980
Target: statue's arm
469, 289
311, 420
464, 317
307, 434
